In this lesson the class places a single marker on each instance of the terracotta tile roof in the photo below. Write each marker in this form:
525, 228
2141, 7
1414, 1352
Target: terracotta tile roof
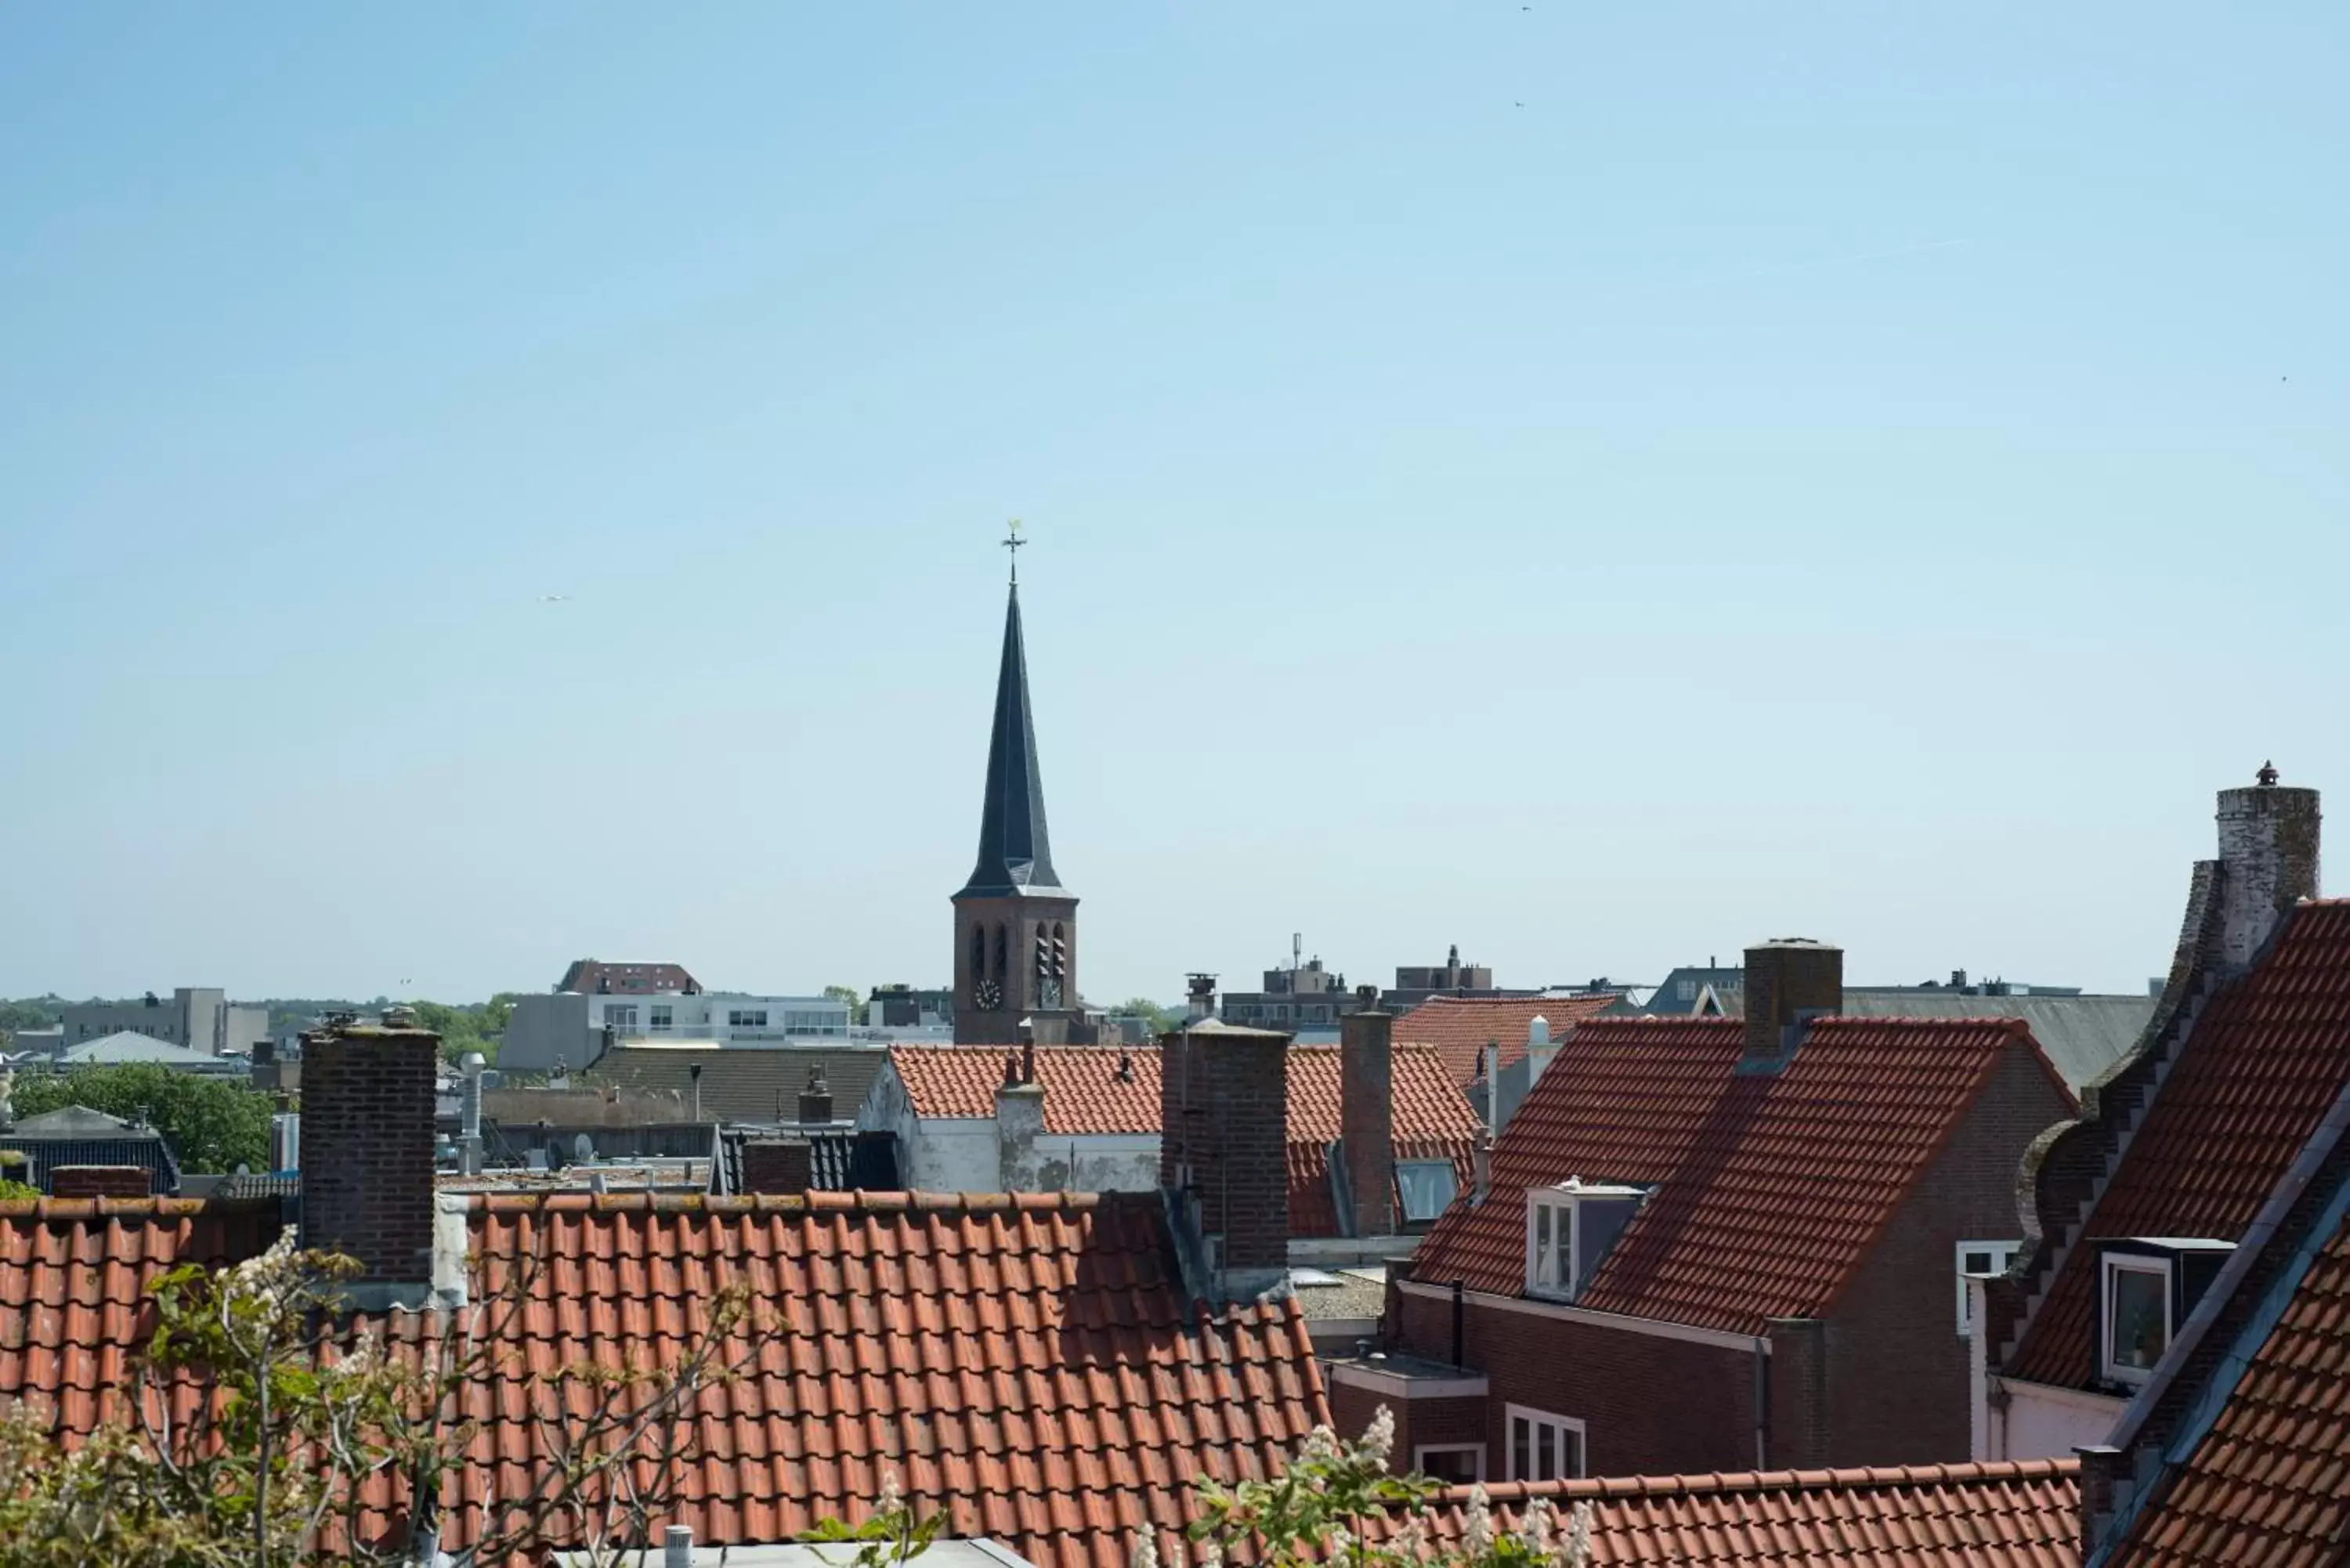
1084, 1095
2245, 1090
1460, 1026
1083, 1091
742, 1082
2017, 1515
2270, 1481
1030, 1365
626, 979
1770, 1188
1433, 1120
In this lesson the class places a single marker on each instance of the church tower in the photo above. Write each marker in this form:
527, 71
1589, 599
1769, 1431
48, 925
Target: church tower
1015, 926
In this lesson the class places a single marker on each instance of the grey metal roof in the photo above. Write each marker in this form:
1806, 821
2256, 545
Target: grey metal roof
130, 1046
840, 1159
74, 1121
1015, 854
2083, 1035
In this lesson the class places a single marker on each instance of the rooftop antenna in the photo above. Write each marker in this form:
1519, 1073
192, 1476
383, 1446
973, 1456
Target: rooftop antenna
1012, 542
1297, 949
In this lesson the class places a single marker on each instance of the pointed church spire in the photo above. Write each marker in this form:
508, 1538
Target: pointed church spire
1014, 854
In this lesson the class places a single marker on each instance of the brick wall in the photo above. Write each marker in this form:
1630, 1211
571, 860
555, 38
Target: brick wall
101, 1181
1896, 1384
1224, 1109
366, 1148
778, 1165
1455, 1419
1649, 1406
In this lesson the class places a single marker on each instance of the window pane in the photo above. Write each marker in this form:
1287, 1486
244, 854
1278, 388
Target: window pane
1545, 1273
1979, 1263
1426, 1186
1457, 1466
2136, 1311
1570, 1454
1546, 1451
1519, 1459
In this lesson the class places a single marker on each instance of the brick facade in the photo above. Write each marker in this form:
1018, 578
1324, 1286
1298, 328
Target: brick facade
1879, 1380
102, 1181
1225, 1114
367, 1147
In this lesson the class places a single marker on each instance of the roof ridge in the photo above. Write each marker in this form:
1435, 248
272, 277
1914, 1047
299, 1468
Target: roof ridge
1710, 1483
858, 1201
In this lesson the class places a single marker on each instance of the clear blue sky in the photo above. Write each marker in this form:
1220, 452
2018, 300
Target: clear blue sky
1834, 469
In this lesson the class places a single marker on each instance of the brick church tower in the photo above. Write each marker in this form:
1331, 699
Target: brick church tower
1015, 926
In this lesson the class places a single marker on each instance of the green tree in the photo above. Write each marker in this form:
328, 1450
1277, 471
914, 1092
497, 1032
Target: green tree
1161, 1018
212, 1123
855, 1002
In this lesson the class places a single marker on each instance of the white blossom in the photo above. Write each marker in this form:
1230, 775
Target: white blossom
1146, 1552
1539, 1527
893, 1496
1210, 1554
1578, 1536
1379, 1437
1321, 1446
1479, 1535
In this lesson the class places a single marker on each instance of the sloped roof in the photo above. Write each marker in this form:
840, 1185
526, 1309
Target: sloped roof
2247, 1087
593, 975
130, 1046
1015, 855
1084, 1091
77, 1121
1431, 1119
2269, 1480
2013, 1515
1770, 1188
2083, 1035
1030, 1365
742, 1082
1460, 1026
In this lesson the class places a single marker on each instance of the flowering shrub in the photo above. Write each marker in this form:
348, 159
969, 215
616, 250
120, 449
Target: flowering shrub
1337, 1502
258, 1425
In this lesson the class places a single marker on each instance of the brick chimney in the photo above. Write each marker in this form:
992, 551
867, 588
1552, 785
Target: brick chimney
778, 1165
816, 1100
2268, 857
1367, 1112
1223, 1150
1787, 982
368, 1108
1201, 1000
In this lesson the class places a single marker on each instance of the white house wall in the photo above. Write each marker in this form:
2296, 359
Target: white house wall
2040, 1422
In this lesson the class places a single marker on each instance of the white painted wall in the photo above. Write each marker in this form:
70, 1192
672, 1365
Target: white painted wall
2042, 1422
961, 1154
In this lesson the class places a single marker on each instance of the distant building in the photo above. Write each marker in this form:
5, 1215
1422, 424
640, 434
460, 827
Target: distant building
597, 977
1302, 997
909, 1007
202, 1018
126, 1047
1415, 984
78, 1136
573, 1029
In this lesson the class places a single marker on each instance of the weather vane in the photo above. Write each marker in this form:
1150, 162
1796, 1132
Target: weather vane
1012, 542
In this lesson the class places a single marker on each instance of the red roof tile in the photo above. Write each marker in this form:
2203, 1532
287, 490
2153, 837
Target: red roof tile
2245, 1090
1083, 1091
2019, 1515
1771, 1189
1433, 1120
2270, 1481
1029, 1364
1460, 1026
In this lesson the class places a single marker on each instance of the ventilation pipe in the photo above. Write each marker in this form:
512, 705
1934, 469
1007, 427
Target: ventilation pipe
470, 1104
694, 1074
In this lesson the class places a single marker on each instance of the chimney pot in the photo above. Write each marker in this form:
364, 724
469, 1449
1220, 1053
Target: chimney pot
816, 1100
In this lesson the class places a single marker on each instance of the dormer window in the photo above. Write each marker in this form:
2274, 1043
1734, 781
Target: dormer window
2145, 1287
1569, 1229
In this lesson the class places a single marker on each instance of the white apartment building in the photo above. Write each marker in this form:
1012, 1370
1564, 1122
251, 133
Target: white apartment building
573, 1029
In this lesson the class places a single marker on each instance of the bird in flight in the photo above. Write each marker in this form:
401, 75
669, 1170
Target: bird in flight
555, 599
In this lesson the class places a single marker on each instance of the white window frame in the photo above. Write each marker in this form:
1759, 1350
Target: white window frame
1449, 1168
2113, 1263
1513, 1414
2003, 1253
1420, 1451
1558, 1284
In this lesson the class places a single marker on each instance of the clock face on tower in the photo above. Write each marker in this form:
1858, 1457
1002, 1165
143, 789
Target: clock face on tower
988, 995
